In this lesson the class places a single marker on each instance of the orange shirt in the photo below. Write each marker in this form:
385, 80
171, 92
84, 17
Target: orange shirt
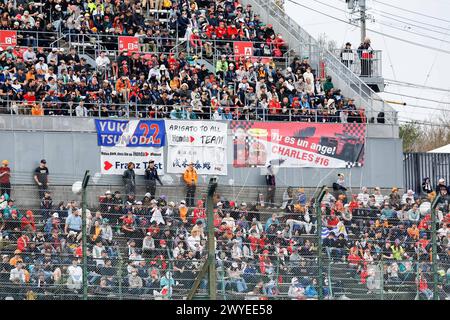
120, 85
13, 261
189, 175
175, 84
37, 110
30, 76
183, 213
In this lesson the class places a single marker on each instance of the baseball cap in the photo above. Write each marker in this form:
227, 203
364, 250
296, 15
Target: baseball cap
43, 161
55, 215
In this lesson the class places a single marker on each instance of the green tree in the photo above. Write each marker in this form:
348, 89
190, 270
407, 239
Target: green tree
411, 134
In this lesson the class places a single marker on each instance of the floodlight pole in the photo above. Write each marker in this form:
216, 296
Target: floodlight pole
319, 240
434, 246
211, 239
84, 232
210, 264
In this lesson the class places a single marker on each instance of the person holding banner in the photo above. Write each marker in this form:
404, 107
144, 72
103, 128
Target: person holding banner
151, 176
190, 178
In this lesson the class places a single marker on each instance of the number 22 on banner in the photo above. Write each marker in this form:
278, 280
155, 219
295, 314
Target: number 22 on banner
154, 138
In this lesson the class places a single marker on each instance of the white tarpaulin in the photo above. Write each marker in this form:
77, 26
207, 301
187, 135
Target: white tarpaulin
202, 142
114, 160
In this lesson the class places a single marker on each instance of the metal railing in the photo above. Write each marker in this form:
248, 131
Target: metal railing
364, 63
36, 39
137, 110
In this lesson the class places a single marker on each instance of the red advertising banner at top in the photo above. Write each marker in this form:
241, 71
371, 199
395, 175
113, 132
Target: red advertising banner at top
299, 144
131, 44
8, 38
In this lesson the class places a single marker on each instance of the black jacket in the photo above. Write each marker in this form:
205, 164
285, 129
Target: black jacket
129, 177
152, 175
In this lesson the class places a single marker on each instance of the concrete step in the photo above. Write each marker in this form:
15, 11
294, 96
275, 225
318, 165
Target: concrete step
26, 196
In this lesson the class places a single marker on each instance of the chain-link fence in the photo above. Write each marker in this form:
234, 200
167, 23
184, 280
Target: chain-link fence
372, 247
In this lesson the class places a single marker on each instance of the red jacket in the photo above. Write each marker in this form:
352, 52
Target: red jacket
199, 213
232, 31
220, 32
278, 42
210, 30
195, 40
28, 221
263, 262
423, 224
22, 243
274, 107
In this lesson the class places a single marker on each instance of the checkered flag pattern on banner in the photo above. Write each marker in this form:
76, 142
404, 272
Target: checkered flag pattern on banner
350, 164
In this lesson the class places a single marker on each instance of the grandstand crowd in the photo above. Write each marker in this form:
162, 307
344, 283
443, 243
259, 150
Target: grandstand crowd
153, 247
39, 78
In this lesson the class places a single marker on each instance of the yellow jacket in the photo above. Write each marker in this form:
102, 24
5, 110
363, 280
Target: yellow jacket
189, 175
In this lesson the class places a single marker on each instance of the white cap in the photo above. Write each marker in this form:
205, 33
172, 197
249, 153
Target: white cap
243, 204
138, 202
183, 202
108, 192
149, 234
148, 195
172, 204
55, 215
219, 203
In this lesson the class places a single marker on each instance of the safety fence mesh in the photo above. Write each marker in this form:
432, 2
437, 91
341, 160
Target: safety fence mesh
155, 250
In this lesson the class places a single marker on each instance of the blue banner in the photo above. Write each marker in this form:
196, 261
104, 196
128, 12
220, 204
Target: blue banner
130, 133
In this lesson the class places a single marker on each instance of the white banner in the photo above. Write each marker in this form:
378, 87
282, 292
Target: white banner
114, 160
202, 142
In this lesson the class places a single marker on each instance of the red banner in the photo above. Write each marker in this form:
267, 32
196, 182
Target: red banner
299, 144
245, 49
8, 38
242, 48
131, 44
